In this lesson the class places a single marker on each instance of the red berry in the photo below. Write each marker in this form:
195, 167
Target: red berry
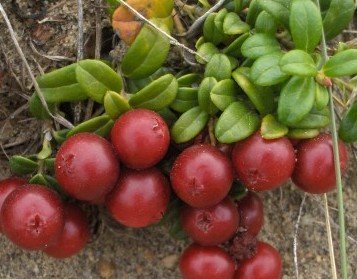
86, 167
74, 236
203, 262
251, 213
202, 176
32, 216
314, 171
140, 198
213, 225
141, 138
7, 186
266, 263
263, 164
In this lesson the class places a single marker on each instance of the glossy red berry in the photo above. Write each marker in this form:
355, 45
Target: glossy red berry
263, 164
141, 138
213, 225
314, 171
206, 262
251, 213
32, 216
86, 167
7, 186
266, 263
140, 198
202, 176
74, 236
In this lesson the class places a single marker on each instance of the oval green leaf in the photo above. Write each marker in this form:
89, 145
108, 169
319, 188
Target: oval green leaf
224, 93
321, 97
189, 80
115, 104
272, 128
234, 49
296, 100
233, 25
96, 78
186, 99
315, 119
303, 133
219, 67
298, 62
258, 45
157, 95
189, 125
206, 50
266, 24
21, 165
211, 32
342, 64
236, 123
279, 9
305, 24
266, 71
204, 91
90, 125
348, 127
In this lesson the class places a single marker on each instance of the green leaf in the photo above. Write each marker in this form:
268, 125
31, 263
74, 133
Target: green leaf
279, 9
50, 164
104, 131
298, 62
210, 32
219, 19
186, 99
261, 97
305, 24
96, 78
219, 67
206, 50
168, 115
224, 93
115, 104
315, 119
189, 80
46, 150
348, 127
296, 100
266, 23
135, 85
303, 133
60, 136
189, 125
338, 16
91, 125
38, 179
253, 12
157, 95
68, 93
59, 77
236, 123
234, 49
272, 129
321, 97
341, 64
147, 54
233, 25
204, 99
21, 165
258, 45
266, 71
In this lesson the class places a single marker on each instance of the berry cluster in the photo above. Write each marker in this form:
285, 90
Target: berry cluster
126, 175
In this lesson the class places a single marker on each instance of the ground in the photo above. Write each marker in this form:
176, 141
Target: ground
149, 253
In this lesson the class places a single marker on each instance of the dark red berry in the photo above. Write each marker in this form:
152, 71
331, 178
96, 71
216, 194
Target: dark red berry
202, 176
86, 167
74, 236
251, 211
141, 138
314, 171
140, 198
263, 164
7, 186
32, 216
265, 264
206, 262
213, 225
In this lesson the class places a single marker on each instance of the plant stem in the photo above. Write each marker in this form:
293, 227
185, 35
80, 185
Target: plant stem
336, 155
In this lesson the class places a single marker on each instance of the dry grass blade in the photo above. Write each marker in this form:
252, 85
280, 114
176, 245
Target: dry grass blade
295, 242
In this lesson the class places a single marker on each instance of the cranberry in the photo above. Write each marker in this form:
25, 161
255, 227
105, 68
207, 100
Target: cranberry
86, 167
7, 186
202, 176
213, 225
314, 171
140, 198
202, 262
263, 164
32, 216
251, 213
74, 236
266, 263
141, 138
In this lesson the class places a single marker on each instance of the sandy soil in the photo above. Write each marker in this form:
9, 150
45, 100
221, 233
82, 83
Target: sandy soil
148, 253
